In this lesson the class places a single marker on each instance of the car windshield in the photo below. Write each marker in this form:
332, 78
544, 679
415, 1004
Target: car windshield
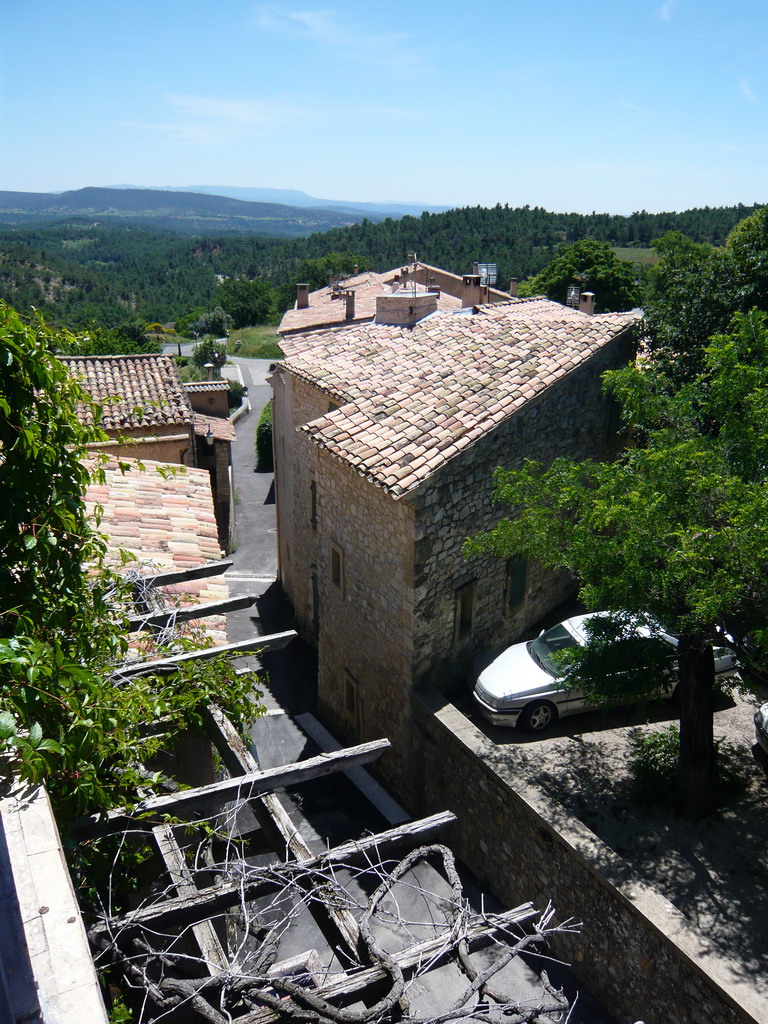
543, 647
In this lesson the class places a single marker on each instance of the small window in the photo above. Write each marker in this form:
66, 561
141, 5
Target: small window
353, 702
465, 611
337, 567
313, 504
516, 585
350, 694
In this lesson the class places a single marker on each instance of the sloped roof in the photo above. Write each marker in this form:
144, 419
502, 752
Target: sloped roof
327, 306
413, 398
163, 514
222, 429
134, 391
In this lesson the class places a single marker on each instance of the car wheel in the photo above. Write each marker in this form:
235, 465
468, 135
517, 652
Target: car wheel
539, 716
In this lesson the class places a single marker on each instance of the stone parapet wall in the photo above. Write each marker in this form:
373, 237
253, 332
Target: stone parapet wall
636, 952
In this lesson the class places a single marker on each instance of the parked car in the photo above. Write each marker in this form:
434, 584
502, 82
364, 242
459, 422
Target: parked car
761, 727
521, 686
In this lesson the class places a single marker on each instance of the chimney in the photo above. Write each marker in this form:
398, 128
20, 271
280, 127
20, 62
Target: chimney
471, 290
350, 299
403, 308
587, 303
357, 269
513, 287
302, 296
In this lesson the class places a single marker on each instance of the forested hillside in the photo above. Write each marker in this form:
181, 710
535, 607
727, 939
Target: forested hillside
183, 212
82, 271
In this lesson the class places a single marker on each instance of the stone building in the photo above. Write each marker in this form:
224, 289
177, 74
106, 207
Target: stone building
149, 413
386, 437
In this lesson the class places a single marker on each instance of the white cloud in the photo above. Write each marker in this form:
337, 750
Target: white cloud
328, 28
667, 9
746, 91
211, 121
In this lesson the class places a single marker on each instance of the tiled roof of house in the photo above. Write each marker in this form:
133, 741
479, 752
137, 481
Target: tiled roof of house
413, 398
206, 385
327, 306
222, 429
134, 391
164, 516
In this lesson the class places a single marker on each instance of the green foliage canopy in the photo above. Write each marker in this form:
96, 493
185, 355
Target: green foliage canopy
592, 266
676, 528
64, 717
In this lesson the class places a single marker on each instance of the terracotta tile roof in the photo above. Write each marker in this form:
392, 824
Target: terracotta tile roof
413, 398
327, 306
206, 385
222, 429
134, 391
164, 516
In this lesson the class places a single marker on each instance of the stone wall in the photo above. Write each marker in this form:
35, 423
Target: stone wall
635, 951
571, 418
173, 447
295, 403
364, 558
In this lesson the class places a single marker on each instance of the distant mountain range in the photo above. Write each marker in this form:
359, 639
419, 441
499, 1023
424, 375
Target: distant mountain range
203, 210
293, 197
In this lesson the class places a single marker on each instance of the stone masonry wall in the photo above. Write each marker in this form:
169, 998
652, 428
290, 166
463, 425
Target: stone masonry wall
295, 403
570, 418
635, 951
366, 619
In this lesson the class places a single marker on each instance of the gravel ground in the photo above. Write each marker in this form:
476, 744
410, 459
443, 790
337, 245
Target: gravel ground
714, 871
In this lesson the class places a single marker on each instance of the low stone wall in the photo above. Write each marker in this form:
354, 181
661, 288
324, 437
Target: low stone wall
636, 952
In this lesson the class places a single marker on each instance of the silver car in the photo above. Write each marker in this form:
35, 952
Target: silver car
522, 687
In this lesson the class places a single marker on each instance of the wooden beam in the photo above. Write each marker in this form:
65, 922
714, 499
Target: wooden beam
433, 951
216, 898
211, 950
335, 922
257, 645
244, 787
187, 612
167, 579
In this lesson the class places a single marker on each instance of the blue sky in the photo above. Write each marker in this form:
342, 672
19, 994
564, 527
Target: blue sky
610, 106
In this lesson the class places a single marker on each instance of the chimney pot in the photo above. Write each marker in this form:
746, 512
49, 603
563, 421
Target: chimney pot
587, 303
350, 300
403, 308
302, 296
471, 290
357, 269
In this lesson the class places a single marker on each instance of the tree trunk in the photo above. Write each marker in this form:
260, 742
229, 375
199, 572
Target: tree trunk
696, 779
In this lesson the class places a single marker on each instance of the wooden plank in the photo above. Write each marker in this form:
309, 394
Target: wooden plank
213, 899
244, 787
212, 952
270, 813
433, 951
167, 579
188, 612
257, 645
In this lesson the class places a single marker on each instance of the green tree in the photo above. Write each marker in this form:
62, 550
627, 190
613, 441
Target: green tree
249, 303
676, 528
695, 289
209, 351
63, 717
215, 322
592, 266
